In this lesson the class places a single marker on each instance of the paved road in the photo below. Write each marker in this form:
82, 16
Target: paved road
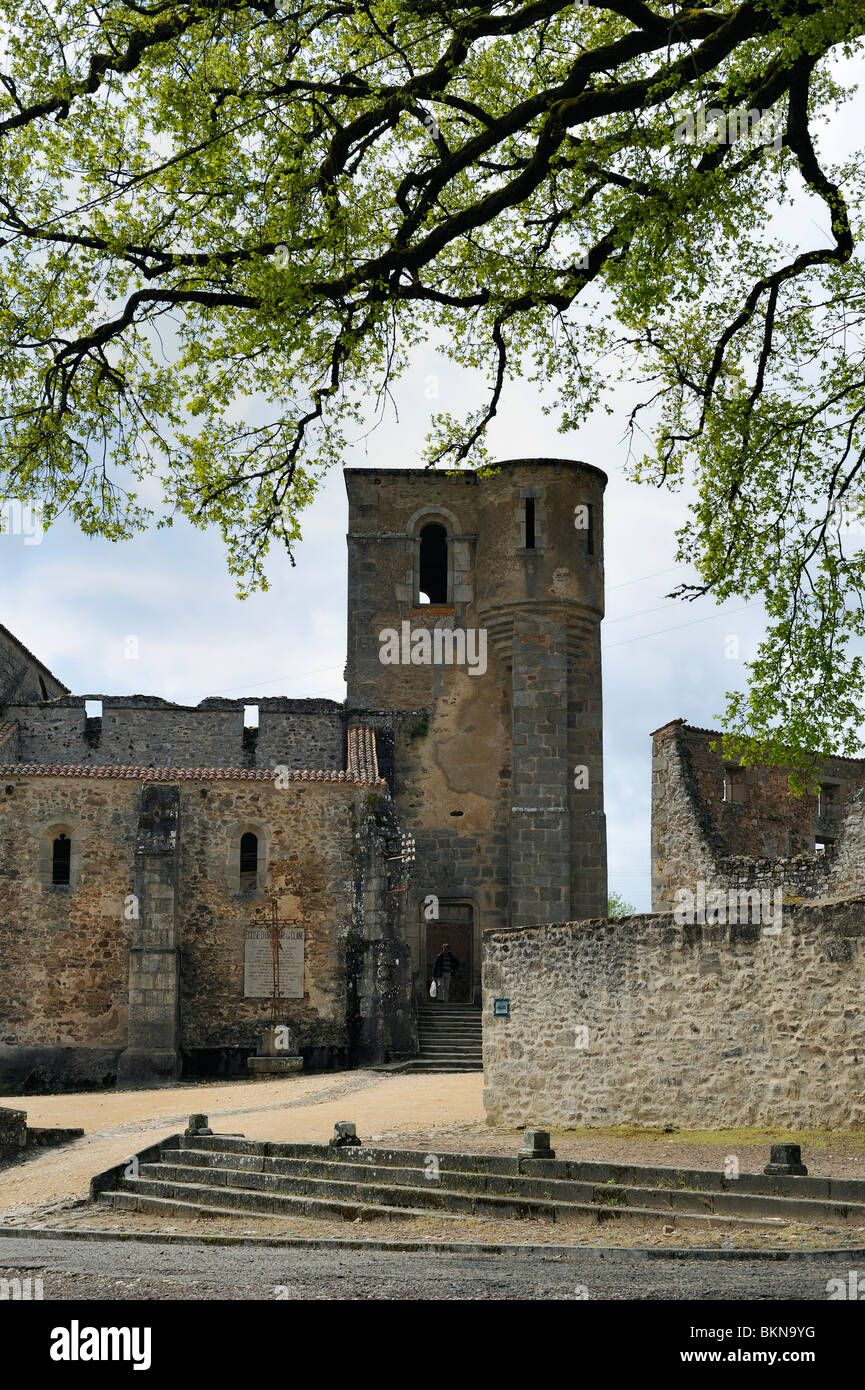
92, 1269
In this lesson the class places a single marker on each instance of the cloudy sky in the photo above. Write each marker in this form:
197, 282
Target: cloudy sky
75, 601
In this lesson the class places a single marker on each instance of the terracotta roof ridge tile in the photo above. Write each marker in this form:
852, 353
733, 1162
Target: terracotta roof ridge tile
184, 774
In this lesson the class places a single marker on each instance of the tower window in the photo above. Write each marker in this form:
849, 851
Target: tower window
530, 523
433, 568
61, 859
590, 533
248, 854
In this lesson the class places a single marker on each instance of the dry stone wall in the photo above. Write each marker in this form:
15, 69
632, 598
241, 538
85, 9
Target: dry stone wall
639, 1021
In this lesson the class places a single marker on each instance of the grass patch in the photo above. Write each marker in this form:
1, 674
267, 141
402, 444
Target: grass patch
725, 1138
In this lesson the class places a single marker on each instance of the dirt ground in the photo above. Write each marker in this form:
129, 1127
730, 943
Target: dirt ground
438, 1112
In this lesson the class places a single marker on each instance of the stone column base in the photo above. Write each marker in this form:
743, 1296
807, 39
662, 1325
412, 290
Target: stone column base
141, 1067
273, 1066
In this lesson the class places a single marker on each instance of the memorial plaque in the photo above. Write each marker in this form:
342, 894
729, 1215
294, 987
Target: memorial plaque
258, 963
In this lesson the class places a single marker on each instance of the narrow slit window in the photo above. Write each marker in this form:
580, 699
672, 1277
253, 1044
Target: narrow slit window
433, 566
61, 859
248, 854
530, 523
590, 533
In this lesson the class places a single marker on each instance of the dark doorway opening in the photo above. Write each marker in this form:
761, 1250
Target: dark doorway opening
455, 926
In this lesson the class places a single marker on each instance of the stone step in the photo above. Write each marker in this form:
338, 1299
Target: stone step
441, 1064
327, 1177
446, 1031
437, 1019
845, 1190
207, 1202
444, 1015
174, 1197
386, 1194
445, 1026
460, 1039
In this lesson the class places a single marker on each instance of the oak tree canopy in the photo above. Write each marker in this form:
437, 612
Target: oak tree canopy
206, 202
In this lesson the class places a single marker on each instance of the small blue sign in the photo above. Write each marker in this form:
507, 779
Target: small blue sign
501, 1008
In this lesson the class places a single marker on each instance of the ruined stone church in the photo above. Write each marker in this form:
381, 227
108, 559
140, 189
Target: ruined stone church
146, 848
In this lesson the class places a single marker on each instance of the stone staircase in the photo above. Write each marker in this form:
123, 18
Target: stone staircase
223, 1175
449, 1038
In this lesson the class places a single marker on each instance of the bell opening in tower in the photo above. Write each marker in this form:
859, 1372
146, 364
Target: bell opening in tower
433, 566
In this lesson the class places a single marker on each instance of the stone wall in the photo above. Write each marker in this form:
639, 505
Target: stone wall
767, 839
484, 764
145, 731
638, 1021
22, 675
143, 953
13, 1128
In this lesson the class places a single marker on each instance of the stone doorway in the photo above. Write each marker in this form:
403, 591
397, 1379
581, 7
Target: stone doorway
456, 926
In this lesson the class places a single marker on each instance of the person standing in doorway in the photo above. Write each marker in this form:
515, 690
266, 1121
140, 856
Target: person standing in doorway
444, 966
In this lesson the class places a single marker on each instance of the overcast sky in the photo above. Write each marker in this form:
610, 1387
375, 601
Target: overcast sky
74, 601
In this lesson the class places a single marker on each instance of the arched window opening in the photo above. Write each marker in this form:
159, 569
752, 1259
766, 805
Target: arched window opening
433, 569
248, 854
61, 859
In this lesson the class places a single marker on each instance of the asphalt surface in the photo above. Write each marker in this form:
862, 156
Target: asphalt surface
86, 1270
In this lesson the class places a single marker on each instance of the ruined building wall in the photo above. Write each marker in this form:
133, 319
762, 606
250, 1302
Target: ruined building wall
144, 731
88, 991
761, 836
485, 764
641, 1022
64, 952
22, 675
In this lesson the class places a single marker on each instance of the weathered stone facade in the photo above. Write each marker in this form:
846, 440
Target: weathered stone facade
139, 965
639, 1021
487, 766
130, 964
22, 675
750, 830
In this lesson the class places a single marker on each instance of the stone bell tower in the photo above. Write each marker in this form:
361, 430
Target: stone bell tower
474, 610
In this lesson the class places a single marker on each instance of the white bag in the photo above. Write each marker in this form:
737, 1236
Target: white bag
433, 990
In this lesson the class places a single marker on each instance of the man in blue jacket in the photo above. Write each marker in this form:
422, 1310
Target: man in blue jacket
444, 966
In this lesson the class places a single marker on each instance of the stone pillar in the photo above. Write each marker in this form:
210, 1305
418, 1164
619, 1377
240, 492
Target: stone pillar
540, 842
152, 1056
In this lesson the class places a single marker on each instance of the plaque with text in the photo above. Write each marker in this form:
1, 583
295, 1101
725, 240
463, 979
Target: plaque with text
258, 963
